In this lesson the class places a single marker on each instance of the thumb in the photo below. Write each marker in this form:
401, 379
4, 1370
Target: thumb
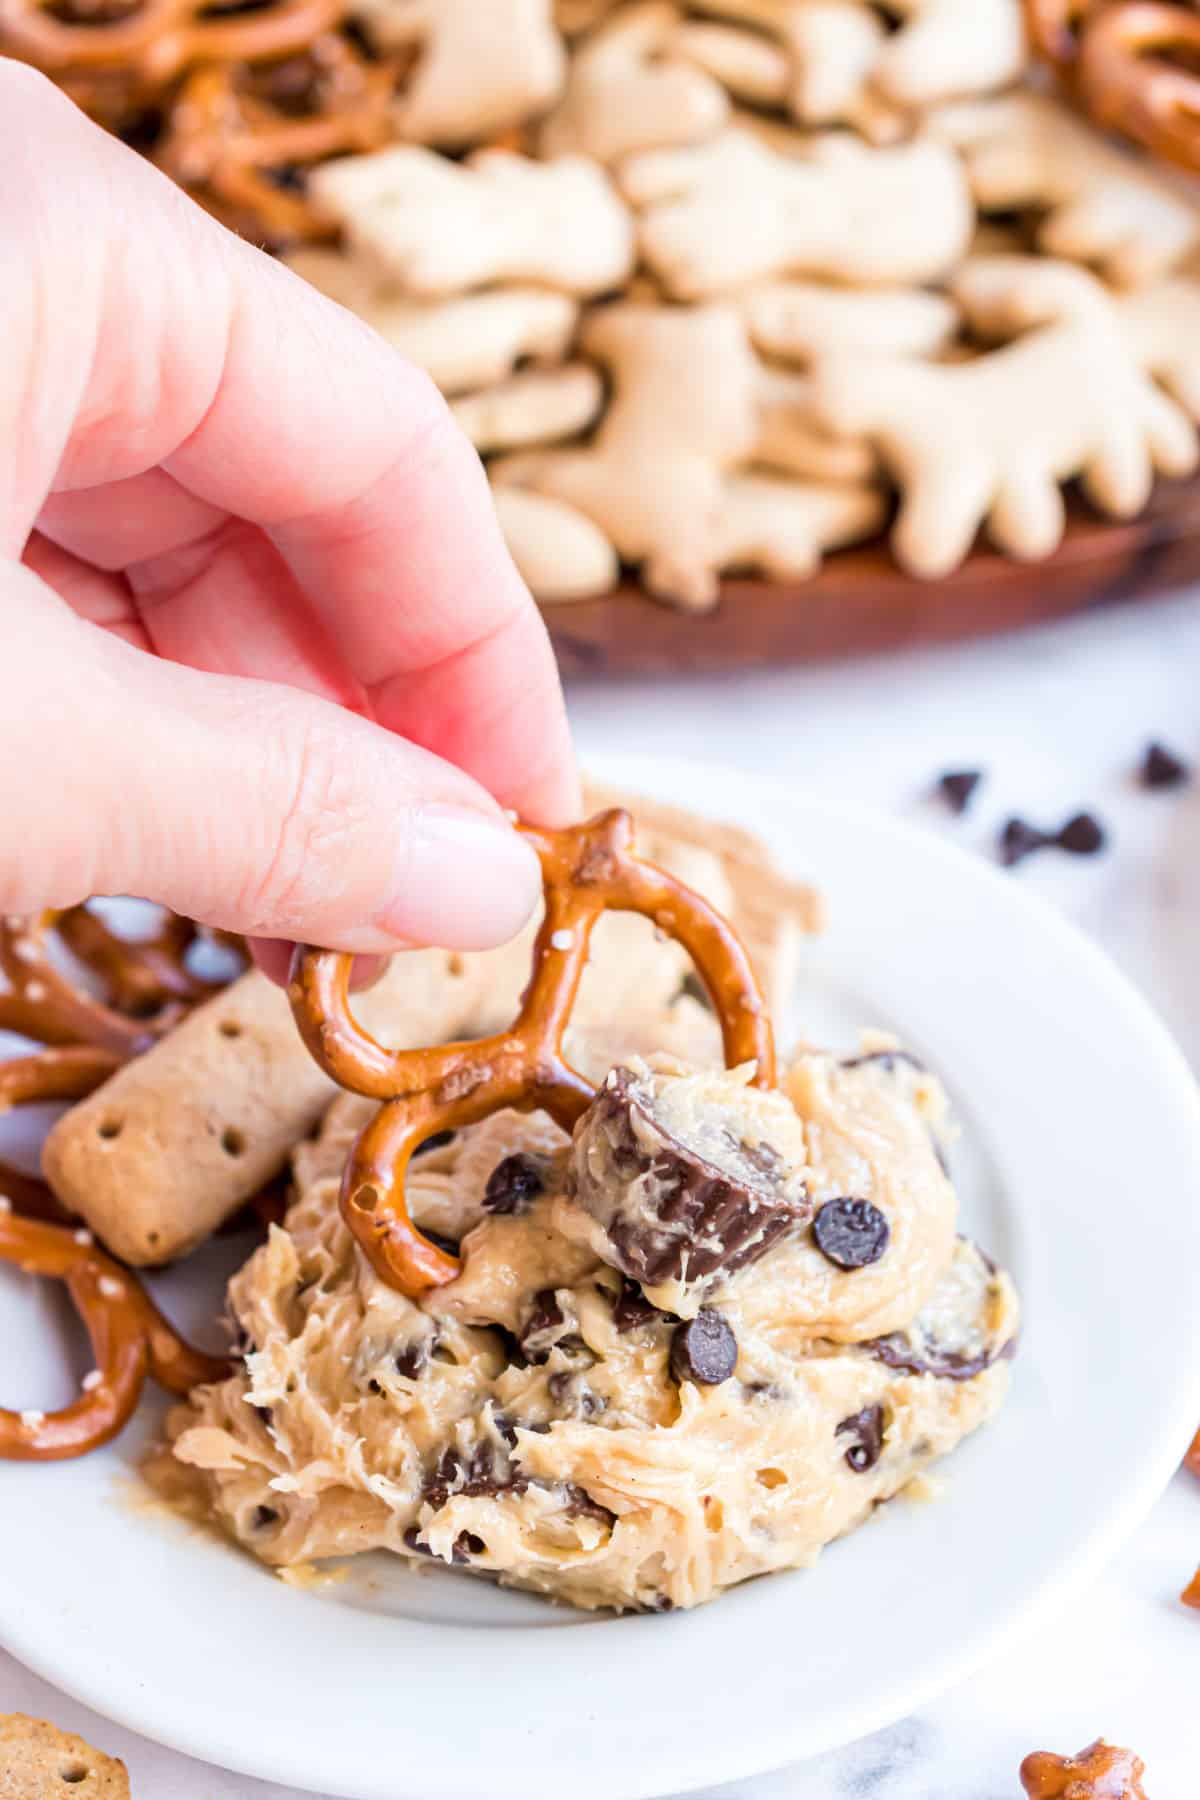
240, 803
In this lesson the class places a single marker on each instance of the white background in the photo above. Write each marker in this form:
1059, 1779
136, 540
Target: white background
1058, 718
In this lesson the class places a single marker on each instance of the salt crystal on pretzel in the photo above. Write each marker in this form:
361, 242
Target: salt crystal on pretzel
587, 869
130, 1340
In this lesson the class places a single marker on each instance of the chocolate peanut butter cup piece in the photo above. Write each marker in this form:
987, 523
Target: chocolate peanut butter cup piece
865, 1429
964, 1327
704, 1349
850, 1233
690, 1175
515, 1183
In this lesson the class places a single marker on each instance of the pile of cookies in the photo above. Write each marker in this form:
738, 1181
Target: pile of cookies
711, 284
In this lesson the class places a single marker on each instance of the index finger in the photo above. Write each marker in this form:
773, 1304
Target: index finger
267, 400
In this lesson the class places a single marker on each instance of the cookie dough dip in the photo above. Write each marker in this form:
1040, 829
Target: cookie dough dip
691, 1343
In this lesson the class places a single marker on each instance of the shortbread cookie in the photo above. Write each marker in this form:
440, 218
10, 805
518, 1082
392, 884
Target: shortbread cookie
480, 69
438, 226
560, 552
465, 343
683, 413
40, 1762
538, 406
717, 216
541, 1421
626, 91
802, 319
991, 440
1100, 205
782, 528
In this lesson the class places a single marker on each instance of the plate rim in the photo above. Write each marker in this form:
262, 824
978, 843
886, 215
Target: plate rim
770, 1746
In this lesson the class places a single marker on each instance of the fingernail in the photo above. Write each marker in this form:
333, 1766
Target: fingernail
464, 881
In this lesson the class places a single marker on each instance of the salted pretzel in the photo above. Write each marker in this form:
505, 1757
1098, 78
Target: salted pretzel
157, 39
130, 1339
62, 1073
1132, 64
587, 870
243, 135
1137, 74
148, 982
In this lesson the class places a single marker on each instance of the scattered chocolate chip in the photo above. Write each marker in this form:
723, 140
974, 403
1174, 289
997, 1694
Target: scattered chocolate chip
263, 1516
632, 1309
505, 1428
467, 1545
546, 1328
514, 1182
373, 1386
896, 1351
704, 1349
851, 1233
573, 1394
661, 1603
484, 1473
957, 787
1018, 840
1161, 768
1082, 836
866, 1428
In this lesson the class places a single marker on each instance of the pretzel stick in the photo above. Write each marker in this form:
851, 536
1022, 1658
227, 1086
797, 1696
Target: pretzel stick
587, 870
130, 1339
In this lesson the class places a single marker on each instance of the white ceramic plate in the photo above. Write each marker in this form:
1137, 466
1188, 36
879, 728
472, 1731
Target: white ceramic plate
1079, 1168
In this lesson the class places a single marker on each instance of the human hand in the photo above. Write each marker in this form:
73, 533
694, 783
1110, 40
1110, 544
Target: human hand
266, 658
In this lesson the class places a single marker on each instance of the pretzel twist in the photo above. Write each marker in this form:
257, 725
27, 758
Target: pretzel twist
587, 870
148, 983
234, 131
1137, 74
63, 1073
158, 38
130, 1339
1132, 64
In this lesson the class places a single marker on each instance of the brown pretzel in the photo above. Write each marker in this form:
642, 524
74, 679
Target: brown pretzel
62, 1073
587, 870
1192, 1459
148, 983
1100, 1772
129, 1336
1191, 1593
1132, 64
1137, 74
243, 136
158, 38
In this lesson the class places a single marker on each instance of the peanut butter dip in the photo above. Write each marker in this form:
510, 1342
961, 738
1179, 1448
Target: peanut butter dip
549, 1421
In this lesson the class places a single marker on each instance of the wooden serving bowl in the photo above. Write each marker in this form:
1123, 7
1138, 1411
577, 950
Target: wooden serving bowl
862, 602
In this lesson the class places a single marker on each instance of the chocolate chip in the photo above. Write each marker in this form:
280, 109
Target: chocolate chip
704, 1349
1161, 768
546, 1328
573, 1394
580, 1505
438, 1141
466, 1545
263, 1516
631, 1308
895, 1351
448, 1244
515, 1182
866, 1428
661, 1603
1018, 840
851, 1233
888, 1060
1083, 835
413, 1360
957, 787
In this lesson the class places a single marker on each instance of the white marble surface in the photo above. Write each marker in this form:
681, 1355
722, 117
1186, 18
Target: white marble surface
1058, 718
